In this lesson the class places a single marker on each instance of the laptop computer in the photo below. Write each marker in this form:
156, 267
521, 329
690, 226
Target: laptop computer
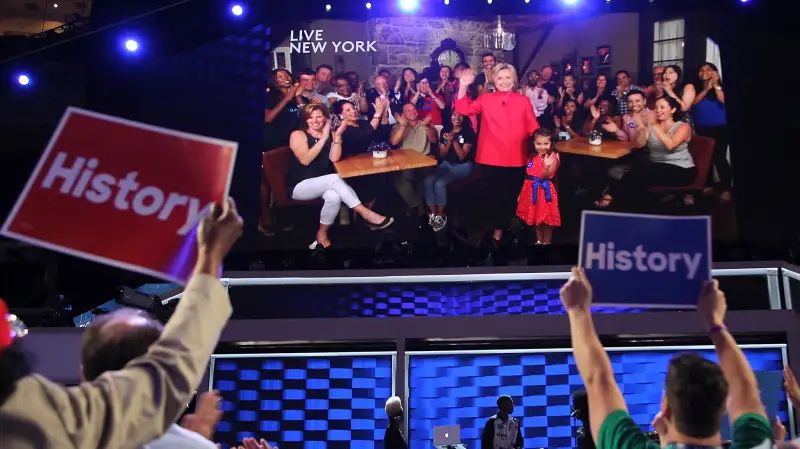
446, 435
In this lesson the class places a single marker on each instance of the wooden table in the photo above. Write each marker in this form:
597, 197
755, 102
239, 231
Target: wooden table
609, 148
396, 160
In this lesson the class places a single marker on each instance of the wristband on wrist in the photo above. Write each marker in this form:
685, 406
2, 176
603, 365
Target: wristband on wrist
717, 329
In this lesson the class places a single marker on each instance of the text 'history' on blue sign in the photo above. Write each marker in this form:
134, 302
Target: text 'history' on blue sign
645, 260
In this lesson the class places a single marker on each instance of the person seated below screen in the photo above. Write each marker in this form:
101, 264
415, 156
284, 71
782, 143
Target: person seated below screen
502, 431
455, 162
394, 438
696, 390
311, 174
410, 133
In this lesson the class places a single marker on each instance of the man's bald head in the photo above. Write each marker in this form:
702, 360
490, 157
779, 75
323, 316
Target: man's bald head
113, 340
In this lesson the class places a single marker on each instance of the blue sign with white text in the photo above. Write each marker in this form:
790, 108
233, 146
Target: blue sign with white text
645, 260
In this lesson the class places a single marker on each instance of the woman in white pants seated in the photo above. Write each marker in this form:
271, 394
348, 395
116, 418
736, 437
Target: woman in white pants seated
311, 174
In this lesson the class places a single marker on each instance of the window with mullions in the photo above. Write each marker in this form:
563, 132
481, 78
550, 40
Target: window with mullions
668, 43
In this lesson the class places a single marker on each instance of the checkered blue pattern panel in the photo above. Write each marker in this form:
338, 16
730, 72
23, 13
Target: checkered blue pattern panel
463, 390
404, 300
325, 402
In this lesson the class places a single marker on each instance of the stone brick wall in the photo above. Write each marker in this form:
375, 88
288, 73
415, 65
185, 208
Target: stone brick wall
409, 41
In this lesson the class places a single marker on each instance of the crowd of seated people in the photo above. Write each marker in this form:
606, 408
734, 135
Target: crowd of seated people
420, 112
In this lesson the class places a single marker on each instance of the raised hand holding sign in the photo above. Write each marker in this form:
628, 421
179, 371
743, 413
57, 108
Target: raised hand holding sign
123, 193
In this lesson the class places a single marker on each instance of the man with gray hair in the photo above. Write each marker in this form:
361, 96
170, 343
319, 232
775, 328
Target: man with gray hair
115, 339
394, 439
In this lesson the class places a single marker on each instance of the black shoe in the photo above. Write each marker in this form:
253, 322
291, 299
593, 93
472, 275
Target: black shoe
388, 221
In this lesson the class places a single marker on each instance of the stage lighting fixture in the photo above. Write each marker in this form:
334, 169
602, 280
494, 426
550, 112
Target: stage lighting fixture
131, 45
408, 5
570, 2
527, 1
446, 2
489, 1
237, 10
369, 5
23, 80
55, 5
327, 7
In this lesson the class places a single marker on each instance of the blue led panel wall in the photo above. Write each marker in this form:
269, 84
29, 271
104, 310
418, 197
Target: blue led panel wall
463, 389
536, 297
312, 401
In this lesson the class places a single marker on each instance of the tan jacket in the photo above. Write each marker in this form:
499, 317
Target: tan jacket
130, 407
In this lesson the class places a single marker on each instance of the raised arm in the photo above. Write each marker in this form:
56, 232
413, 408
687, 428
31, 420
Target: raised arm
593, 363
464, 105
743, 394
132, 406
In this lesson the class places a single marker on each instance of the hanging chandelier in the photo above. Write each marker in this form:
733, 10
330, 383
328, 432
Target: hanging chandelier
499, 38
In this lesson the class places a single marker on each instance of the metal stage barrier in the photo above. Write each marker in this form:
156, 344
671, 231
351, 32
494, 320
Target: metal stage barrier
771, 272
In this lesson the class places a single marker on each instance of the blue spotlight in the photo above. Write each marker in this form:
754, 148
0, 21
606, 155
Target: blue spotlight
327, 7
237, 10
570, 2
23, 79
131, 45
408, 6
369, 5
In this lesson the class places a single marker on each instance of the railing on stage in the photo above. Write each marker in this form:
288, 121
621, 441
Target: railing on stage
554, 276
789, 273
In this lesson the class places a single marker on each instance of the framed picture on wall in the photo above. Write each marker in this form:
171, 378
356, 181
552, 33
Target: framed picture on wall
604, 56
568, 67
587, 66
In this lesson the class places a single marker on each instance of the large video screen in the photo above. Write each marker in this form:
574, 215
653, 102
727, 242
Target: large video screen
462, 389
311, 401
634, 105
426, 163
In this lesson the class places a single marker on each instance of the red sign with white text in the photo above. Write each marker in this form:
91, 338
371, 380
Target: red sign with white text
122, 193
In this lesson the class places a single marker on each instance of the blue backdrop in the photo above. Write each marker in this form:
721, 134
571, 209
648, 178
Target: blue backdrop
463, 389
316, 402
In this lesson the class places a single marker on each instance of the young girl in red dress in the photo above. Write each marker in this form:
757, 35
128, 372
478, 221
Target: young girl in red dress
538, 201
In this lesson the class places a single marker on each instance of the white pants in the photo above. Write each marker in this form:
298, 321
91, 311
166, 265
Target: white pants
332, 189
